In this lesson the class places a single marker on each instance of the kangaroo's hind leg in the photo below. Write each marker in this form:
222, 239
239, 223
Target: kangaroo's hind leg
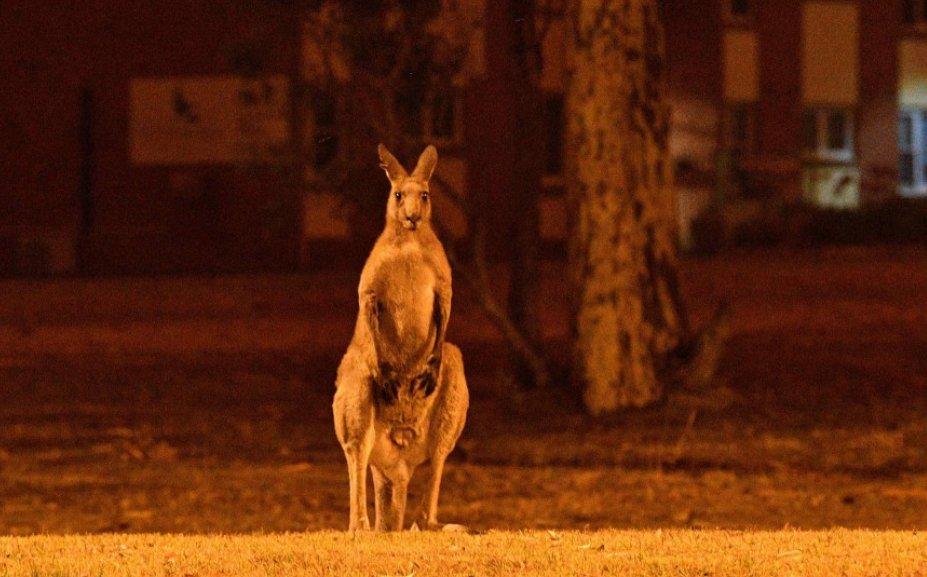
449, 419
383, 499
353, 415
358, 458
391, 492
428, 511
400, 492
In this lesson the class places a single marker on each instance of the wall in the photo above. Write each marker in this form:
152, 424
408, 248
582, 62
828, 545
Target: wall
144, 218
694, 79
877, 118
207, 217
778, 25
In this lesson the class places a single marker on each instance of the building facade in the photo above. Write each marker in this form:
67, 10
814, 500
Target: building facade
122, 127
820, 101
130, 129
777, 102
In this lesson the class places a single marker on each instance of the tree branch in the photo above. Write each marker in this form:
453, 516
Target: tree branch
478, 281
451, 193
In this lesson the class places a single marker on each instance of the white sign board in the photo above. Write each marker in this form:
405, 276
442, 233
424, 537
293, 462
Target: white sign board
207, 119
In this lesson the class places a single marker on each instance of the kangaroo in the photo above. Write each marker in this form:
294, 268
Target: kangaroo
401, 397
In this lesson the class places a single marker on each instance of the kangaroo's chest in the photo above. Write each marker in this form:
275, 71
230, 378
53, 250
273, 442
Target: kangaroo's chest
404, 283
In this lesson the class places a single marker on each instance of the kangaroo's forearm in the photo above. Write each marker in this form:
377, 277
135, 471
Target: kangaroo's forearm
442, 313
370, 309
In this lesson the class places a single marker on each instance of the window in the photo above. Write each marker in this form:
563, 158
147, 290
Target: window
738, 11
915, 12
912, 150
324, 130
435, 121
441, 119
738, 128
740, 8
827, 134
410, 108
553, 134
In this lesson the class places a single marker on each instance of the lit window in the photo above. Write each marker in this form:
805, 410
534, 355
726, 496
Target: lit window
912, 150
837, 137
827, 134
553, 134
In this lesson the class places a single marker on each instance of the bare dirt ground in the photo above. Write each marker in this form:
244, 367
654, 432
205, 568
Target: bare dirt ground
203, 405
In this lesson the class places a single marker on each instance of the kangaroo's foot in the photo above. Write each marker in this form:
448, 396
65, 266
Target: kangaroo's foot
446, 527
424, 523
357, 525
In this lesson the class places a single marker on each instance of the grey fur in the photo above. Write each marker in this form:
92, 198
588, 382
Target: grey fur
401, 397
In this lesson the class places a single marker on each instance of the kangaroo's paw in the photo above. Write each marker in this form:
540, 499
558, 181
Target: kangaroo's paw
386, 384
386, 373
427, 380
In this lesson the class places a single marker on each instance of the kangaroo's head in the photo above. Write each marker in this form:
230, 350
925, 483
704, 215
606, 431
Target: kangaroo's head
409, 205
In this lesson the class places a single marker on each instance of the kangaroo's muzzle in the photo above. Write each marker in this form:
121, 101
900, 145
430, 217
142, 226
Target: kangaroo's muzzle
411, 221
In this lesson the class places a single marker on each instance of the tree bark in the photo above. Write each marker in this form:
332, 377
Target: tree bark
628, 318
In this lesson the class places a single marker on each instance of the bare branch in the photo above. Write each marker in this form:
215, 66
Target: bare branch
371, 111
478, 282
448, 190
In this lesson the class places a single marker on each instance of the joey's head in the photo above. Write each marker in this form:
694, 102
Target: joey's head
409, 205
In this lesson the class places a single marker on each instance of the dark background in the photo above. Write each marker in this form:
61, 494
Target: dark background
169, 333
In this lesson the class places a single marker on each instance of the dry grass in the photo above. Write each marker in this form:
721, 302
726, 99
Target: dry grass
653, 553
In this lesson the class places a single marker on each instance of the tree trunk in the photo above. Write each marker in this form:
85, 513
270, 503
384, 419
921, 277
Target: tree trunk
628, 318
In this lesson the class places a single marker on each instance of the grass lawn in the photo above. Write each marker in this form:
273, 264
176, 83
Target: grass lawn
653, 553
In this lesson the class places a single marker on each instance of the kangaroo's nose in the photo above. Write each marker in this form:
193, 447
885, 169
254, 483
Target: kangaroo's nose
413, 218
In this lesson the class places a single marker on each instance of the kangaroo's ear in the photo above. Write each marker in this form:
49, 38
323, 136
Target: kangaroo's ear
388, 162
426, 164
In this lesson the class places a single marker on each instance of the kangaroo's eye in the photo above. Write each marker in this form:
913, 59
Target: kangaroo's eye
398, 196
424, 197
